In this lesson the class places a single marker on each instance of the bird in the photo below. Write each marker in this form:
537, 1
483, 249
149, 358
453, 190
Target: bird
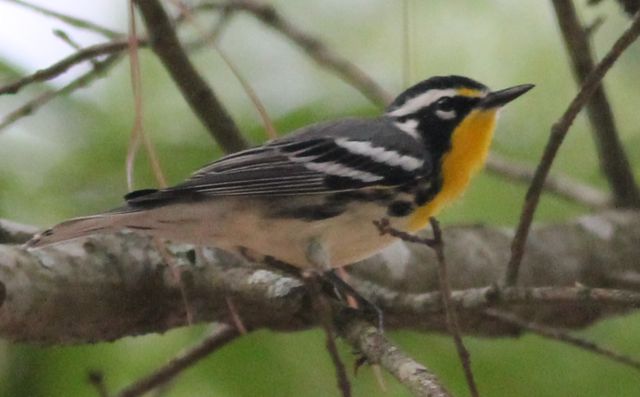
310, 199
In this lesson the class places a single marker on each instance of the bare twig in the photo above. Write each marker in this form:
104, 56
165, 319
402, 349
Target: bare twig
453, 326
313, 47
368, 340
194, 88
235, 316
248, 89
324, 312
558, 184
83, 80
63, 65
558, 133
70, 20
450, 311
222, 335
613, 159
137, 131
561, 336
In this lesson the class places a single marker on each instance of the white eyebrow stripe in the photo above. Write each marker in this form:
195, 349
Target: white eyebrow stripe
422, 101
379, 154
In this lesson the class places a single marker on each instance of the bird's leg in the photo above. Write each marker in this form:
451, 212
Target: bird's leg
320, 259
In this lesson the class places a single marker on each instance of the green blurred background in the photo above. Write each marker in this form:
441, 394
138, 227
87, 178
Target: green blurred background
68, 160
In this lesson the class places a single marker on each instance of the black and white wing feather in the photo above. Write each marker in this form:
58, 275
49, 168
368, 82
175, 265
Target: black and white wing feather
337, 156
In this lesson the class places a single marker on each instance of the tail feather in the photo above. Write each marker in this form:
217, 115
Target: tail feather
76, 228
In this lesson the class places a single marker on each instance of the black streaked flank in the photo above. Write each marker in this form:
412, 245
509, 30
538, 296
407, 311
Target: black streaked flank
378, 195
310, 212
400, 208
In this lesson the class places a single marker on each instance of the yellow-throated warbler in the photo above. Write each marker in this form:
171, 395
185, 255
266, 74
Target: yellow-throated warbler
309, 199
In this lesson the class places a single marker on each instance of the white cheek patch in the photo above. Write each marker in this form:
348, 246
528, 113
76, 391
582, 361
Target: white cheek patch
410, 127
422, 101
446, 115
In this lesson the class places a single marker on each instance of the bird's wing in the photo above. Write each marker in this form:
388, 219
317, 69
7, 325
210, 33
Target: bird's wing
337, 156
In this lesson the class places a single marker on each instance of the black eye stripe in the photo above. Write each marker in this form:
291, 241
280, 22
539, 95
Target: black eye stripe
445, 103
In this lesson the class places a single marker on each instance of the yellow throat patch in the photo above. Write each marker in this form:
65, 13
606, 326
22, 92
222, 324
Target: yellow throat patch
470, 143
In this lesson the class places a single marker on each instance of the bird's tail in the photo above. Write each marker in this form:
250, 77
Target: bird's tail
79, 227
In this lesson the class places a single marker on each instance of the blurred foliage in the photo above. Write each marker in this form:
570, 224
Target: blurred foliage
68, 160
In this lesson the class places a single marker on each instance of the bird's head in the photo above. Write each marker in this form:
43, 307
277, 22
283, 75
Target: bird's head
438, 109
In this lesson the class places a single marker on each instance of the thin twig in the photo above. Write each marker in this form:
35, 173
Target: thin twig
248, 89
437, 244
137, 131
558, 133
70, 20
473, 299
324, 311
222, 335
561, 336
384, 227
558, 184
613, 159
235, 316
368, 340
63, 65
450, 312
313, 47
83, 80
194, 88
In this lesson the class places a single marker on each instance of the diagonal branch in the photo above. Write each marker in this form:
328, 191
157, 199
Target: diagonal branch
378, 350
194, 88
39, 101
65, 64
613, 159
558, 133
314, 48
220, 336
70, 20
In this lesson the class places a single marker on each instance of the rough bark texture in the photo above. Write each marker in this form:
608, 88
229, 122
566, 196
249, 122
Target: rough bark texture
110, 286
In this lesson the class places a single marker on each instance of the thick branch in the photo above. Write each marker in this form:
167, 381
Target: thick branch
110, 286
613, 159
194, 88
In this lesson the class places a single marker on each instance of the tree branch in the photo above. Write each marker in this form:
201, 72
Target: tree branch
378, 350
613, 159
65, 64
312, 46
194, 88
558, 132
221, 335
110, 286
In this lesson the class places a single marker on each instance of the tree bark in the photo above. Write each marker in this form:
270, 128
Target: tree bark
110, 286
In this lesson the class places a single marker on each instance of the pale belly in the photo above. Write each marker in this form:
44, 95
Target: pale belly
243, 226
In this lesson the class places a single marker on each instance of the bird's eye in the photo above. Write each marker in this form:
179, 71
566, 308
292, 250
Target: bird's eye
445, 104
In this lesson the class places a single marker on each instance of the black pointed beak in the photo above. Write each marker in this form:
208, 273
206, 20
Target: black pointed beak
500, 98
